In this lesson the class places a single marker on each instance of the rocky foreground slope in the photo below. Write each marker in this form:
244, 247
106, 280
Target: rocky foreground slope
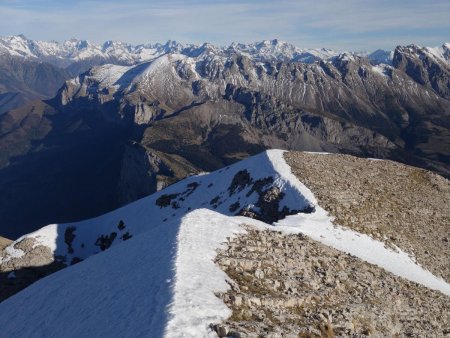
265, 260
289, 285
292, 286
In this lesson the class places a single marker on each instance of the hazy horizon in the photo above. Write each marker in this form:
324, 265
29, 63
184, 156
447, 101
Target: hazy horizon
99, 43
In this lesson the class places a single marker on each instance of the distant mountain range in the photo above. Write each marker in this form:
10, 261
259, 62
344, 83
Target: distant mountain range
143, 117
73, 53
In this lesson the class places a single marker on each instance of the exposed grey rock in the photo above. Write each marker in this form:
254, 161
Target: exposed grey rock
69, 236
34, 263
221, 330
425, 69
105, 241
291, 286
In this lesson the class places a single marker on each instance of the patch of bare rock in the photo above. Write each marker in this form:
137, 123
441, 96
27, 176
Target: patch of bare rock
395, 203
291, 286
35, 262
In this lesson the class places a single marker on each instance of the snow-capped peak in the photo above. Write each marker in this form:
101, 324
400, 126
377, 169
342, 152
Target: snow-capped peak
441, 53
117, 52
74, 50
16, 45
277, 50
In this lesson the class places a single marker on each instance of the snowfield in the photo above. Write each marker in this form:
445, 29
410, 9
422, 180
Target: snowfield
158, 278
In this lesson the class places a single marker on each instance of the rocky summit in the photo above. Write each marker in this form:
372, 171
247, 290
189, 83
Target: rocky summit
282, 244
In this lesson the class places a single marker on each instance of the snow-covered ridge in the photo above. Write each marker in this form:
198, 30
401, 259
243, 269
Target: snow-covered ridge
156, 268
230, 191
442, 53
322, 228
156, 276
73, 50
77, 50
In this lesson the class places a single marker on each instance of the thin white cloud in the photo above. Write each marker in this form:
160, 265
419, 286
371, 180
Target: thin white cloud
345, 24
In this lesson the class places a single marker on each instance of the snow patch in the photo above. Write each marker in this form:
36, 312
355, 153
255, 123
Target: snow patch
108, 75
46, 236
381, 70
439, 53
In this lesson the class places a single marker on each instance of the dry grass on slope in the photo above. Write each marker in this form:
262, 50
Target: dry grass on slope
398, 204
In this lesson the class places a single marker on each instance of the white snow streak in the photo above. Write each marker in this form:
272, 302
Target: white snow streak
319, 226
195, 306
381, 70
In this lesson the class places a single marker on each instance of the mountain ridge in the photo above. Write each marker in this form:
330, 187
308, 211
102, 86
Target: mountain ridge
151, 124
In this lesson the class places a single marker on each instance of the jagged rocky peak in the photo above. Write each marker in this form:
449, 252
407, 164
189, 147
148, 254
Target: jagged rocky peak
114, 44
277, 50
274, 45
446, 47
436, 54
16, 45
206, 49
204, 72
429, 67
83, 44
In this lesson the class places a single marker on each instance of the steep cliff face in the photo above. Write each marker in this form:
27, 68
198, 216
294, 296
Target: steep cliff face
145, 171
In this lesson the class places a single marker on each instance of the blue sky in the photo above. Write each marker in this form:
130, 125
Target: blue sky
338, 24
